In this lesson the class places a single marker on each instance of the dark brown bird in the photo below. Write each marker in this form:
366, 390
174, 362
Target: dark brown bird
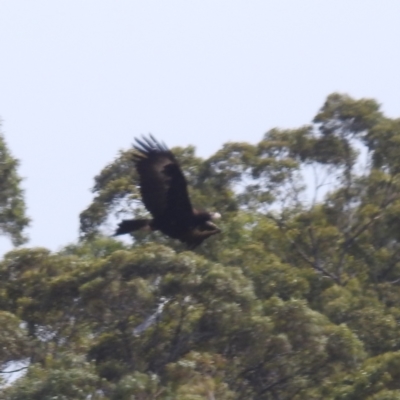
164, 193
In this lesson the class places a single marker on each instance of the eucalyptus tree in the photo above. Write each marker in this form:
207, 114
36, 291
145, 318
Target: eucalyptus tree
297, 298
13, 217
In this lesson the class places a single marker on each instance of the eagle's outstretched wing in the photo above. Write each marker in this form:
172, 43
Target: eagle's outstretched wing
162, 184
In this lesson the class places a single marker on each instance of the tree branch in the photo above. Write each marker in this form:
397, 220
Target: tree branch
15, 370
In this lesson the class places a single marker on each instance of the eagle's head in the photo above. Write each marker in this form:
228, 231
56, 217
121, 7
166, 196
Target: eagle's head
215, 215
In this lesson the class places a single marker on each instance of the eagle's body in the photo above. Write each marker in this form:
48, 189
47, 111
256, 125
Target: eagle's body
164, 193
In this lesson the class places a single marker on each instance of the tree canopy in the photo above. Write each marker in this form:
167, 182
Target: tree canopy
298, 298
13, 217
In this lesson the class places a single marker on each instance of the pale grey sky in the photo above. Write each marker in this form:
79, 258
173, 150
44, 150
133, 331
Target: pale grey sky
80, 79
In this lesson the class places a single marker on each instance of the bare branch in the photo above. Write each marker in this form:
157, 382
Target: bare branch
15, 370
314, 264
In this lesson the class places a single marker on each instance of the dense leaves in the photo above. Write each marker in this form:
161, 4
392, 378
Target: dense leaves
12, 206
297, 299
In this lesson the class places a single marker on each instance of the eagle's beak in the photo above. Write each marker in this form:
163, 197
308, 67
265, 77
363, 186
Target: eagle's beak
212, 226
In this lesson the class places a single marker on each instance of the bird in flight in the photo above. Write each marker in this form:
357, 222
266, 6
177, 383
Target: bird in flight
165, 195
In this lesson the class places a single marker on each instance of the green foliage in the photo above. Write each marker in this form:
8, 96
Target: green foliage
12, 206
62, 379
297, 299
